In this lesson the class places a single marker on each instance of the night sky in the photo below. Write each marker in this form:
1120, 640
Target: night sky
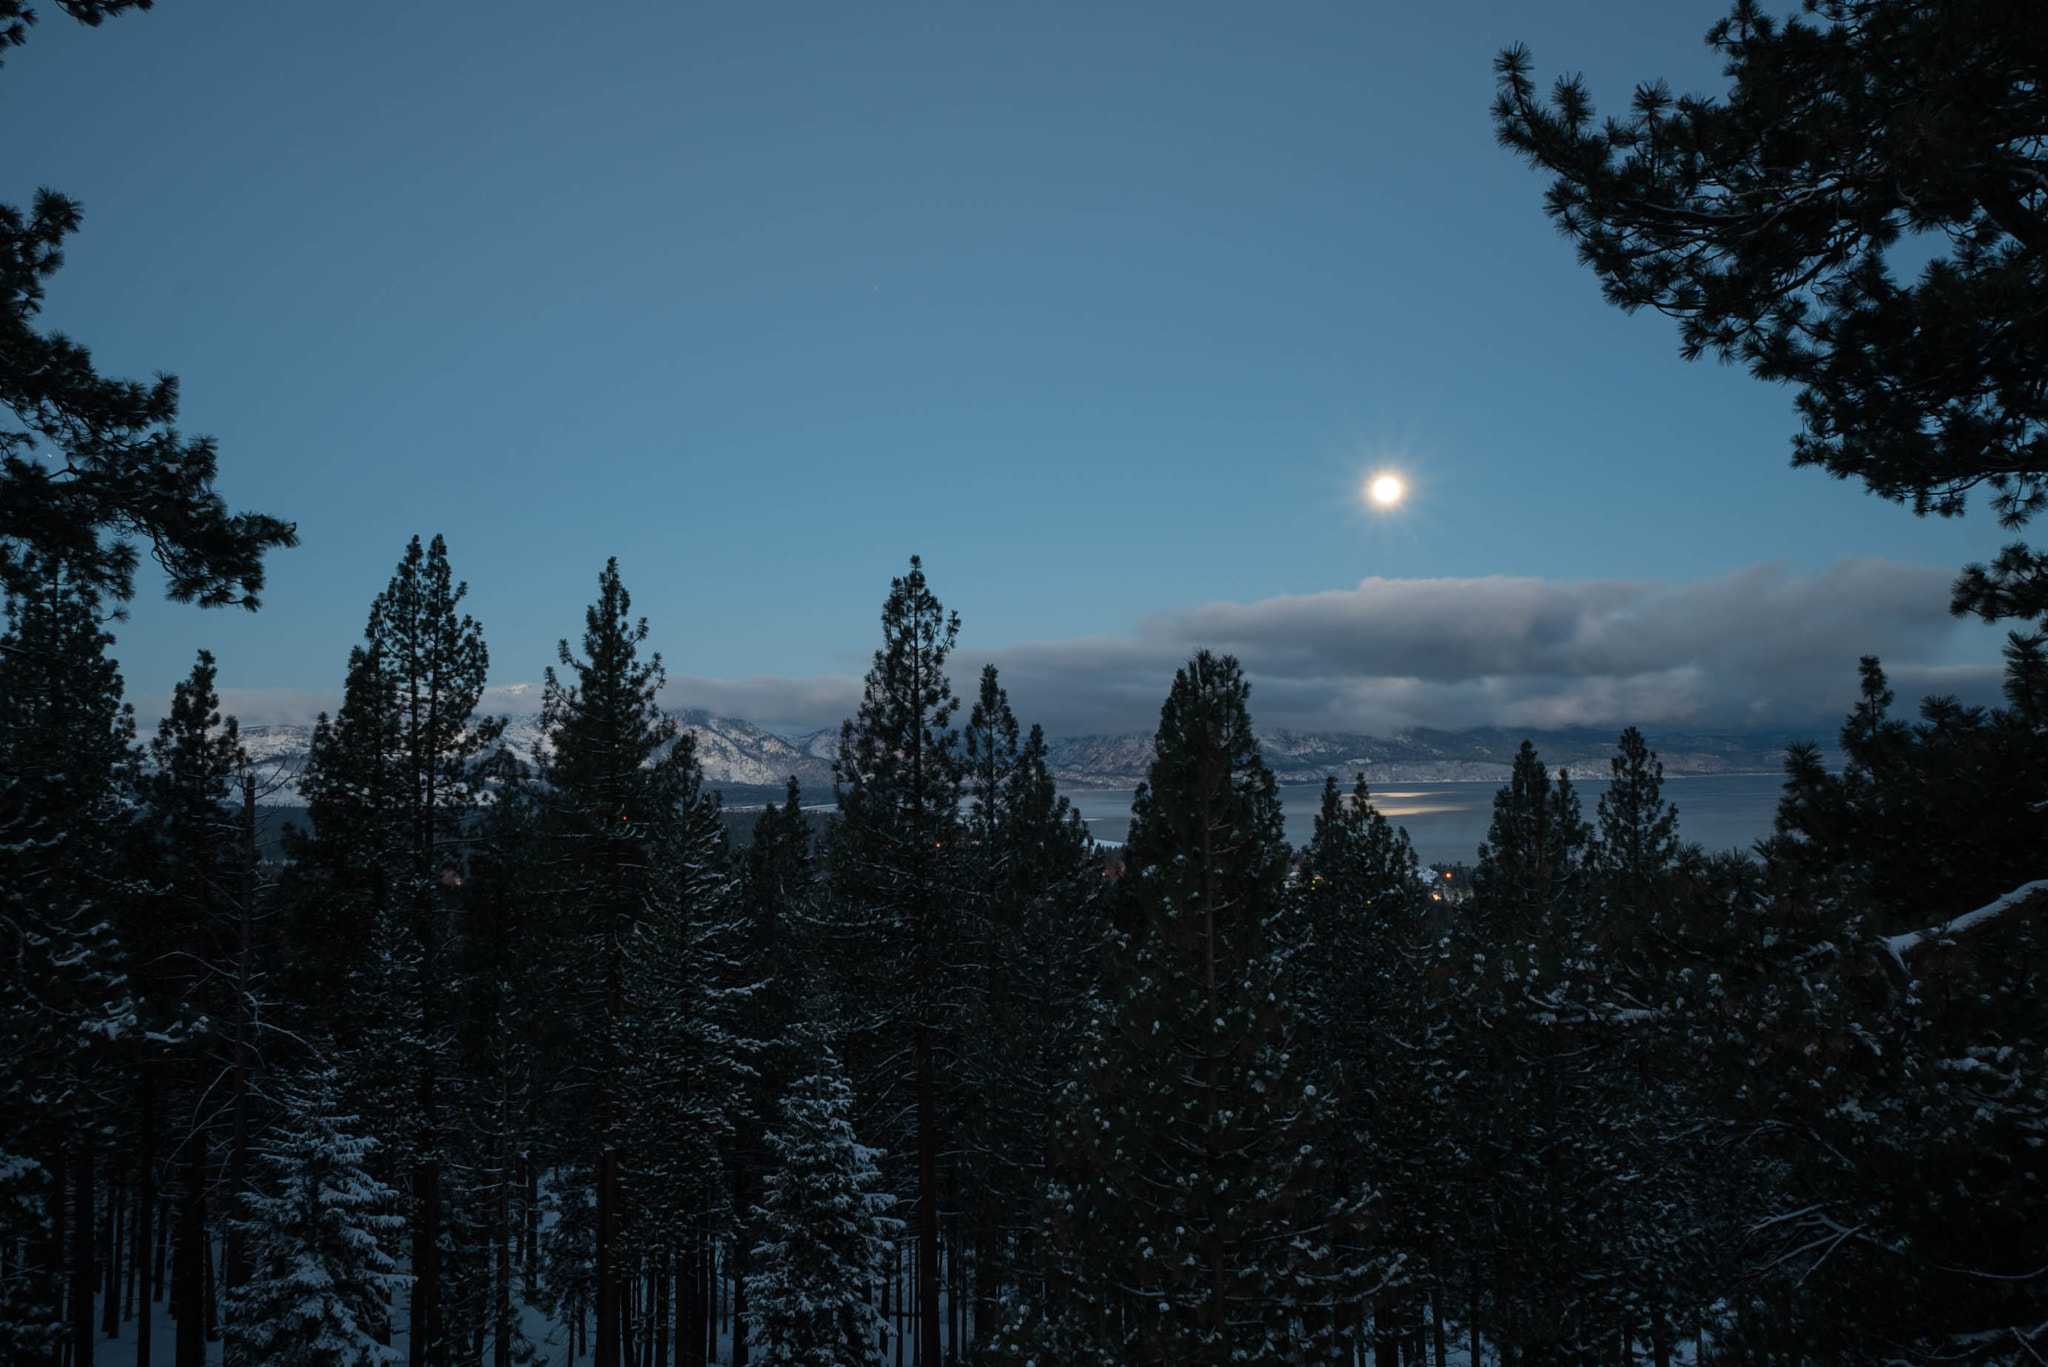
1109, 315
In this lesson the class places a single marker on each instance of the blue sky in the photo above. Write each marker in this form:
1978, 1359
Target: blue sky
1105, 311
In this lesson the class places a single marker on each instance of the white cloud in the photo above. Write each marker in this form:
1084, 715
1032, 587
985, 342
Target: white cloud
1760, 646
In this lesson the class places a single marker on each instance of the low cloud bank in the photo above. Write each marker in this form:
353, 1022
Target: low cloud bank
1759, 647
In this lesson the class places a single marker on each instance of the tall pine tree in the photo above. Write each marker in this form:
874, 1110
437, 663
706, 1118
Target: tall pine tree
1198, 1224
391, 782
616, 786
1364, 944
65, 1000
1034, 884
895, 870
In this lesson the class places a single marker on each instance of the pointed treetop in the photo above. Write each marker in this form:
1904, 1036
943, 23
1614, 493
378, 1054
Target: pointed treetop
1207, 778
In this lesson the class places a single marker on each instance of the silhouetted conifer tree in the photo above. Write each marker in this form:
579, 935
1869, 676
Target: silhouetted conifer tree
1525, 990
895, 872
1765, 222
1034, 884
1197, 1221
625, 825
1364, 944
66, 1005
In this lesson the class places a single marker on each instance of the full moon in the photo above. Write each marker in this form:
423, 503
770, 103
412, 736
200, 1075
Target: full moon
1386, 490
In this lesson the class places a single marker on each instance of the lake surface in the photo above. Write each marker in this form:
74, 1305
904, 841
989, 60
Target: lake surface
1446, 821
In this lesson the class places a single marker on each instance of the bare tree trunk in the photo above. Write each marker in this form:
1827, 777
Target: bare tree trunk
657, 1299
424, 1346
627, 1356
927, 1199
209, 1290
110, 1260
607, 1274
82, 1233
739, 1302
237, 1269
530, 1248
501, 1285
159, 1282
188, 1276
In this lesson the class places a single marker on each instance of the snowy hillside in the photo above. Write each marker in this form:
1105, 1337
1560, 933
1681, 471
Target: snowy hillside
737, 753
733, 752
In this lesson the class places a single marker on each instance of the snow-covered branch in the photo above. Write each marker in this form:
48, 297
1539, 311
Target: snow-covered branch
1898, 945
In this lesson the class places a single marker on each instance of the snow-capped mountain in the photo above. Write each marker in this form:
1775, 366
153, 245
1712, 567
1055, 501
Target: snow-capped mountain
734, 753
737, 754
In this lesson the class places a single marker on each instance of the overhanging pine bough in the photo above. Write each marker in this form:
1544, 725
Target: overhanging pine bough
1770, 224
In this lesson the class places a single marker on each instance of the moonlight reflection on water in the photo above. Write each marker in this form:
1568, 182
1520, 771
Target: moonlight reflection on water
1446, 821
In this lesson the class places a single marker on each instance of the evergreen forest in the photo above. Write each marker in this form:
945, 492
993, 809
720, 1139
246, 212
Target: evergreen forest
498, 1062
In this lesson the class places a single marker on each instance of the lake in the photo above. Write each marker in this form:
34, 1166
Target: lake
1446, 821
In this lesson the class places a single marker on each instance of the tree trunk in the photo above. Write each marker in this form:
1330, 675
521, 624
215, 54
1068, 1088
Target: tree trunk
237, 1269
159, 1282
657, 1299
927, 1201
82, 1234
188, 1276
882, 1335
530, 1249
739, 1303
209, 1291
627, 1355
425, 1345
607, 1274
501, 1288
110, 1261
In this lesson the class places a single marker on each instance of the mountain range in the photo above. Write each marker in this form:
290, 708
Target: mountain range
750, 763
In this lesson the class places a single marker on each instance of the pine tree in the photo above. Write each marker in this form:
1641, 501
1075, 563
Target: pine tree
437, 665
779, 896
685, 1048
505, 1026
319, 1229
188, 847
1662, 1119
1034, 883
184, 926
92, 464
895, 870
340, 888
1526, 992
66, 1007
1889, 1063
615, 786
391, 783
1364, 943
1765, 222
778, 938
826, 1236
1198, 1223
